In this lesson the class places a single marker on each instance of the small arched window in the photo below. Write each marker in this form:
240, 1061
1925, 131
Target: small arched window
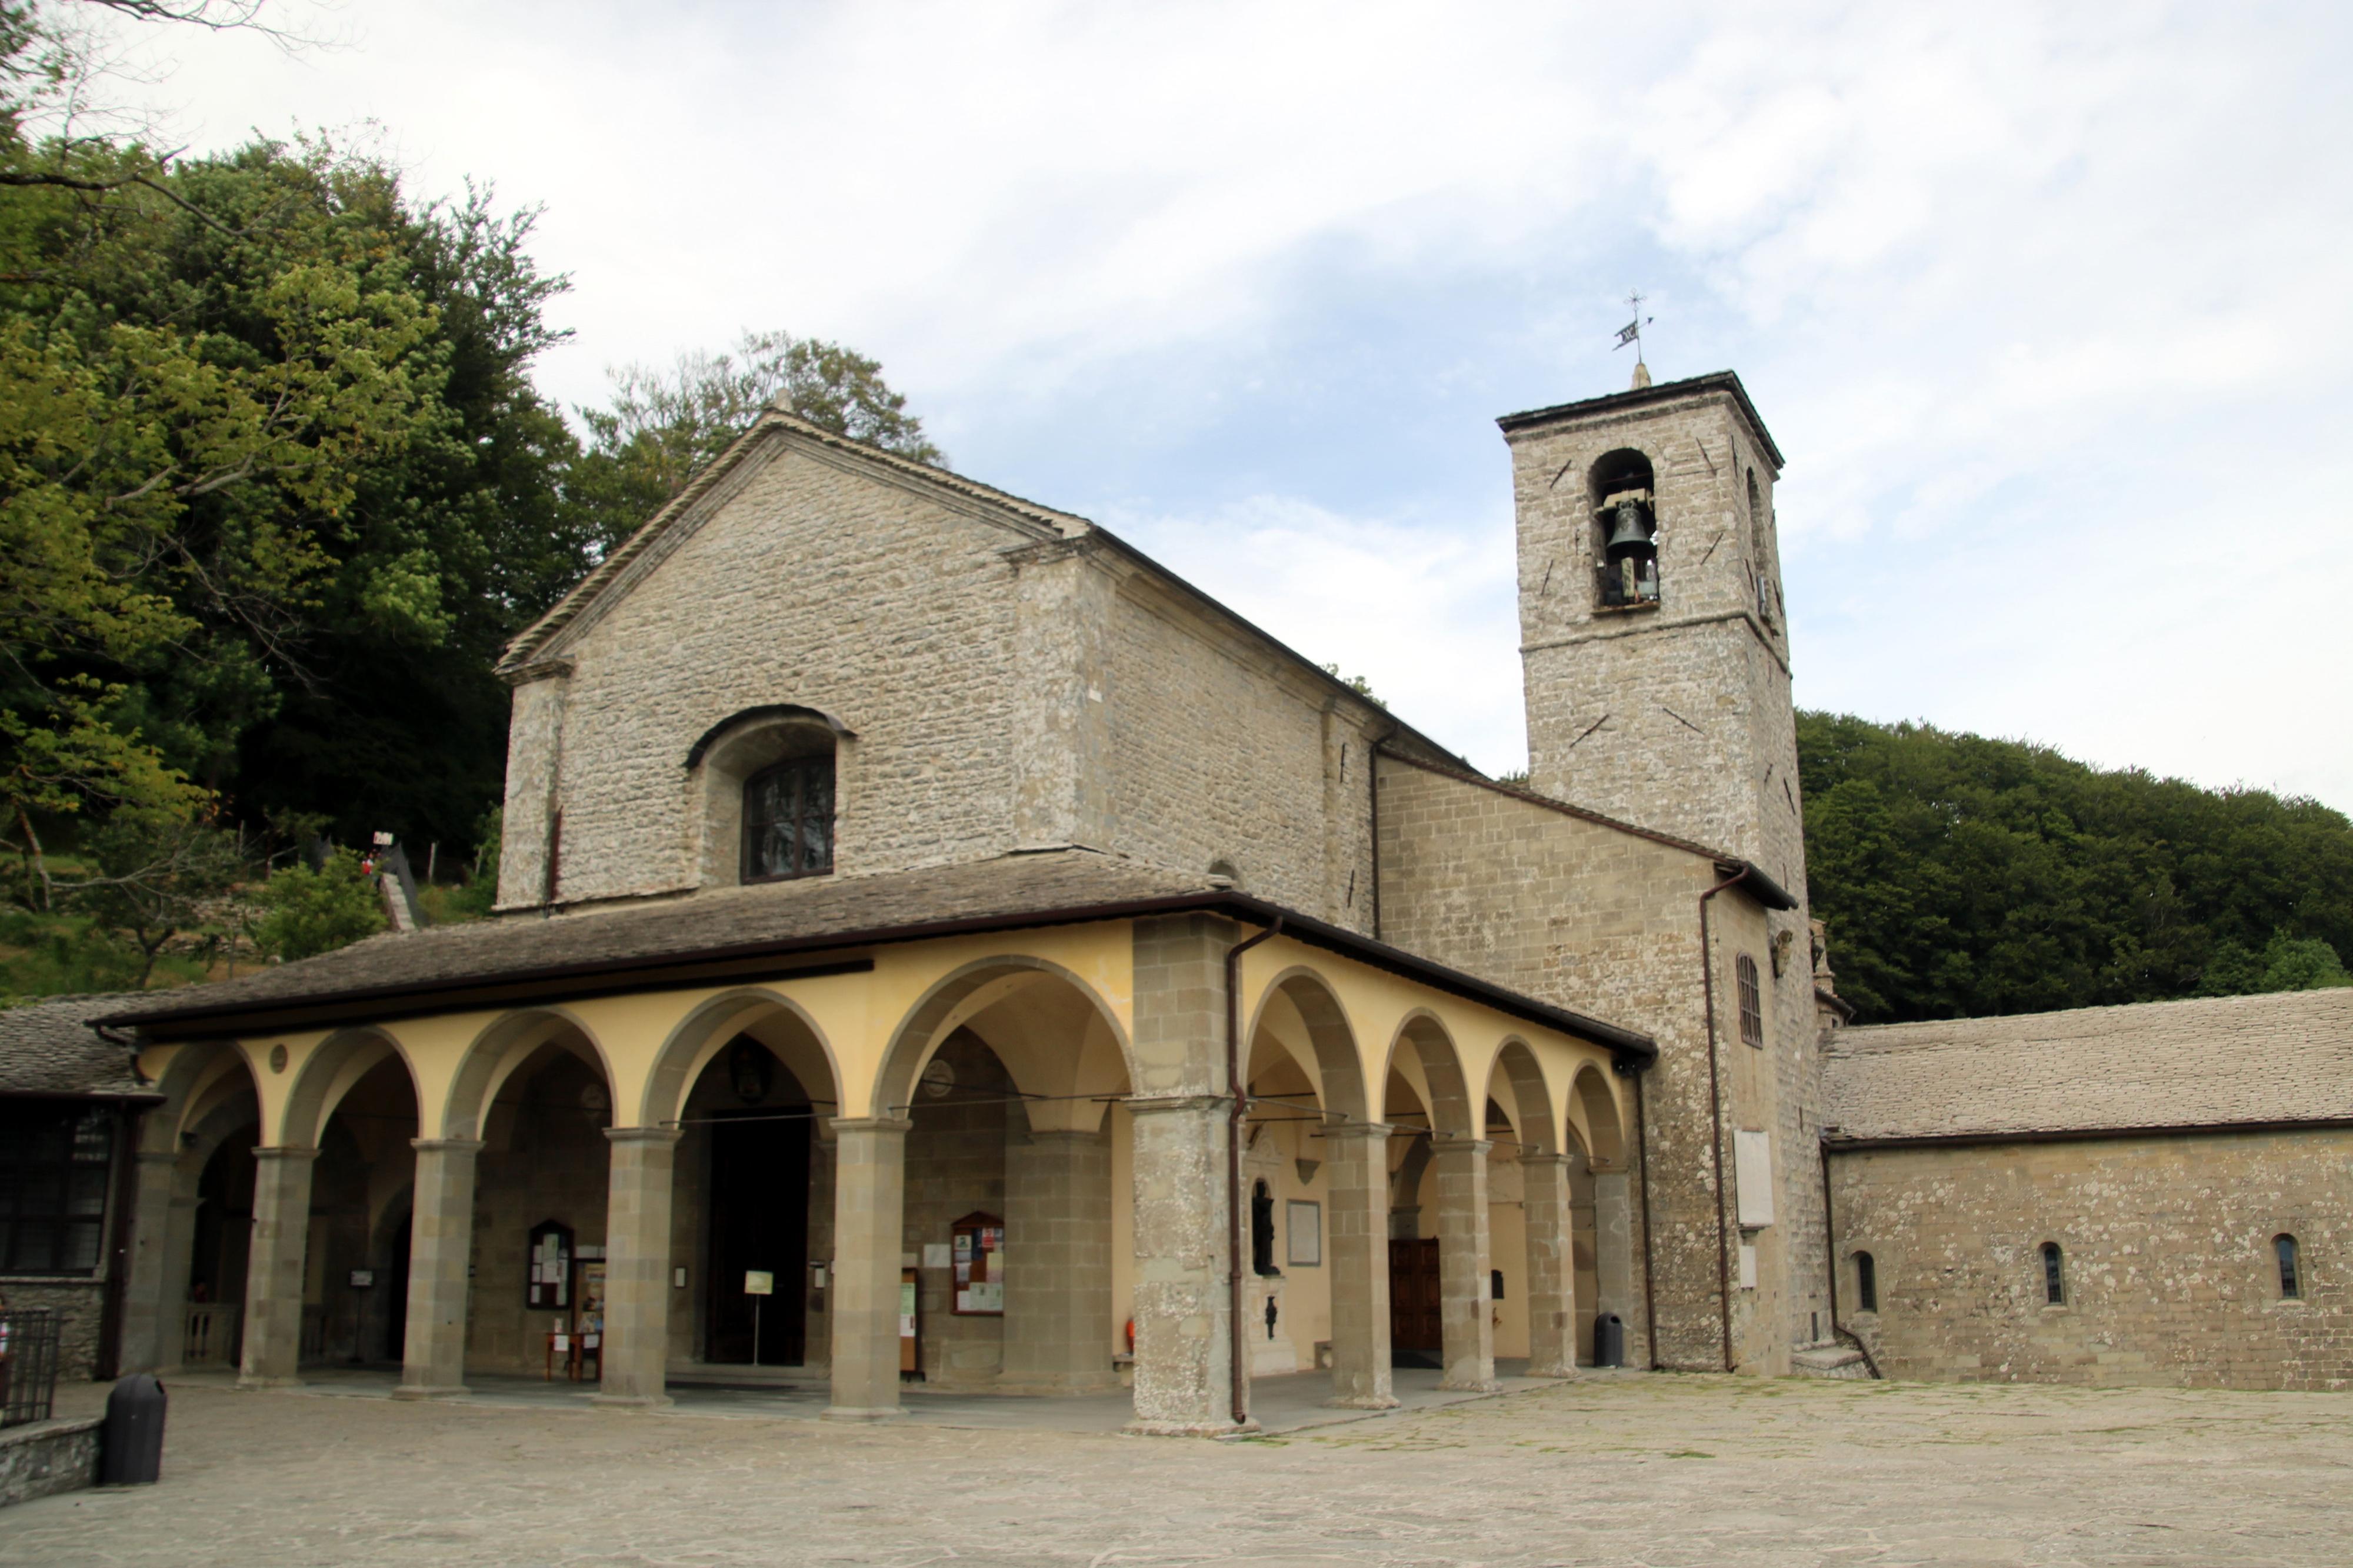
2054, 1275
1866, 1282
788, 819
1752, 1003
1759, 558
2291, 1281
1625, 514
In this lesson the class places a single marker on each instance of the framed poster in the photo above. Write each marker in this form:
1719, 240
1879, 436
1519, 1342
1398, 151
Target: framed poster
1304, 1228
976, 1250
590, 1292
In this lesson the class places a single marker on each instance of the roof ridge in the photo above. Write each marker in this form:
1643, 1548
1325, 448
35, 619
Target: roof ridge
1569, 808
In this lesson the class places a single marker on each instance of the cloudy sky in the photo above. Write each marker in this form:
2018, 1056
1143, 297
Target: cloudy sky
2048, 306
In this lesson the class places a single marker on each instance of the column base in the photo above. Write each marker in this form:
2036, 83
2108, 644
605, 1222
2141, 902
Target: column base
1557, 1369
862, 1413
263, 1384
1469, 1385
1191, 1429
631, 1401
431, 1390
1361, 1401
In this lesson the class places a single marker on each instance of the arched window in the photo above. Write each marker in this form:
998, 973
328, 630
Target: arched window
1866, 1283
2290, 1282
1759, 558
788, 819
1625, 516
1752, 1003
2054, 1275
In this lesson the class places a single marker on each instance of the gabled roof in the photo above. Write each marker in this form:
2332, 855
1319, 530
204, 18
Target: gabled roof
2211, 1062
1722, 381
769, 929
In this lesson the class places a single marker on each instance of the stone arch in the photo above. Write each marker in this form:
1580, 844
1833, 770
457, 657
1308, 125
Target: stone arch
1530, 1100
1421, 1040
801, 1046
1339, 1064
730, 754
964, 994
1589, 1097
188, 1083
498, 1050
328, 1074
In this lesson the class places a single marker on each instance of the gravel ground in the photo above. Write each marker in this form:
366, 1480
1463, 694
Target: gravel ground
1641, 1471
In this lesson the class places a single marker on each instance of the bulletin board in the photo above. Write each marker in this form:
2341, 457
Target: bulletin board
547, 1286
977, 1250
590, 1294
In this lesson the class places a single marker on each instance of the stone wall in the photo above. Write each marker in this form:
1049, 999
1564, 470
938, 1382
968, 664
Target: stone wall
1605, 921
544, 1157
48, 1457
2170, 1275
80, 1308
956, 1166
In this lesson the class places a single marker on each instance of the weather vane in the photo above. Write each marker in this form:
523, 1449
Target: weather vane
1631, 333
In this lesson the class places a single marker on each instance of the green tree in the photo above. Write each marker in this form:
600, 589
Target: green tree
150, 878
306, 912
1966, 876
662, 426
2287, 963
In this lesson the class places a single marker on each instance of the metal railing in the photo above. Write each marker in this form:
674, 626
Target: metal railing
209, 1336
28, 1364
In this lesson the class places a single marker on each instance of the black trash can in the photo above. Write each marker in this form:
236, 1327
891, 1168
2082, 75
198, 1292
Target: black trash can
1609, 1339
131, 1451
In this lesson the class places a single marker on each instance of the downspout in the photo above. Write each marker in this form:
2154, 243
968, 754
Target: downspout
1238, 1346
1830, 1251
1715, 1116
1650, 1279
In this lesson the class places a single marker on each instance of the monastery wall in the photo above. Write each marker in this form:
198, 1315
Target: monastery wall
2169, 1274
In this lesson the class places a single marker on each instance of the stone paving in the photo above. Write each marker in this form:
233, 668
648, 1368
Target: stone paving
1652, 1470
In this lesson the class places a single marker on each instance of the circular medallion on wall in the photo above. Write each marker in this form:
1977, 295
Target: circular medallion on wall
938, 1079
278, 1058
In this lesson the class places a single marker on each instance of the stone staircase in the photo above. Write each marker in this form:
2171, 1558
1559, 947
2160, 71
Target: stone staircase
1830, 1358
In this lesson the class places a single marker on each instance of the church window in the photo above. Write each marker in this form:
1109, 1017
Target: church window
2054, 1275
1752, 1004
788, 820
2291, 1283
1626, 519
1866, 1282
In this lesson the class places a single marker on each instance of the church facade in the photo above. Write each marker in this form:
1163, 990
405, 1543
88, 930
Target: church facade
936, 942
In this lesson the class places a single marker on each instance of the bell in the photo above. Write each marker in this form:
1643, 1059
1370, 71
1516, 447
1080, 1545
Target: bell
1628, 525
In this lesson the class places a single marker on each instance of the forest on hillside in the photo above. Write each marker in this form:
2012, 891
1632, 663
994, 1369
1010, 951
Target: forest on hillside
277, 485
1963, 876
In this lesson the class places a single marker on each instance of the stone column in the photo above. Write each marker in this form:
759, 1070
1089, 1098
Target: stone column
1613, 1256
1552, 1268
1184, 1239
153, 1323
440, 1246
636, 1267
1462, 1262
1057, 1293
870, 1192
273, 1276
1357, 1257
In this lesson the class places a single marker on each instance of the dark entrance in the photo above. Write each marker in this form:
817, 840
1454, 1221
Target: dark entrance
395, 1292
1417, 1330
759, 1220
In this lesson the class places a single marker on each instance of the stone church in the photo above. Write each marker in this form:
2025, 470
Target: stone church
936, 942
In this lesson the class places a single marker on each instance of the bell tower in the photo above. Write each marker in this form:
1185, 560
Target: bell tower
1654, 649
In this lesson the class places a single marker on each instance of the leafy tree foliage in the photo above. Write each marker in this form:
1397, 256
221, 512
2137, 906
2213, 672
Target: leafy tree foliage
306, 912
662, 426
1961, 877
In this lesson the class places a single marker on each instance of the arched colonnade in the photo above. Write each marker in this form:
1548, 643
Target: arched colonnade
1064, 1088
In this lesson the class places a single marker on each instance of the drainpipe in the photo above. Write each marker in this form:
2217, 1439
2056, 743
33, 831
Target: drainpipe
1715, 1115
1237, 1331
1829, 1250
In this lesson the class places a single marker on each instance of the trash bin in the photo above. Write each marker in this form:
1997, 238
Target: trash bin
1609, 1339
130, 1450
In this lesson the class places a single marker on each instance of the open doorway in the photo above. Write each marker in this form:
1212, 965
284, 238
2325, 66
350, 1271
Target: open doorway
759, 1225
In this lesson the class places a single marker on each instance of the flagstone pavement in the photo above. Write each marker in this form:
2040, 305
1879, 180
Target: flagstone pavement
1626, 1468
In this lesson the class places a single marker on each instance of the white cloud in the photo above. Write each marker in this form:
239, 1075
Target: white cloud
2040, 301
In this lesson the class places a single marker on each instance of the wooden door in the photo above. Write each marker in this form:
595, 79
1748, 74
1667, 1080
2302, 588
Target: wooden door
1414, 1320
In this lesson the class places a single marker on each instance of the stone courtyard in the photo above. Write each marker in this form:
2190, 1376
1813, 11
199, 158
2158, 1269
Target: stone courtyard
1652, 1470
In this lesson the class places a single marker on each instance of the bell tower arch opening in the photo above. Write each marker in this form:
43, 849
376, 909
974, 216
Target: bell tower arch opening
1626, 525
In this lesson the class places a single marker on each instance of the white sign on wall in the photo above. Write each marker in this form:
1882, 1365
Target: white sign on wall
1752, 1175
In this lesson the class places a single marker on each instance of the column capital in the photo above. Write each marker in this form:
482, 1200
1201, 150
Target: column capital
643, 1134
1380, 1129
467, 1146
1455, 1143
1599, 1167
1150, 1105
284, 1151
887, 1124
1546, 1159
